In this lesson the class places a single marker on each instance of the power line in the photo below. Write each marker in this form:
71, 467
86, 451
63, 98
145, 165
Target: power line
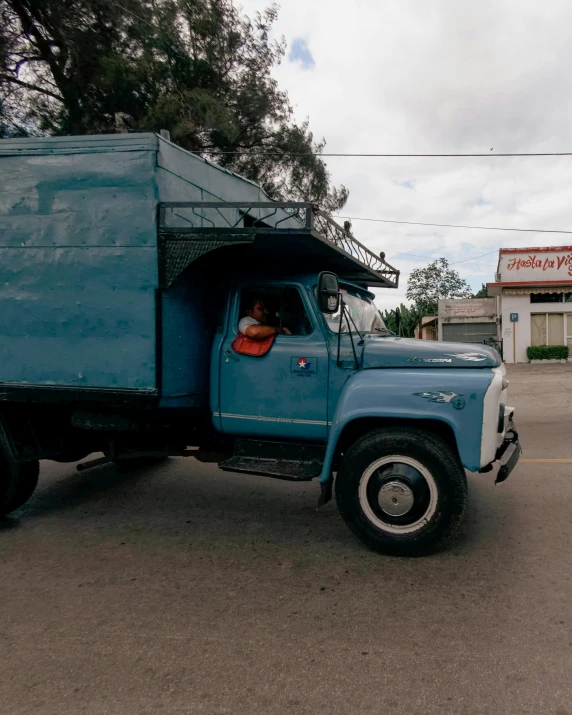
387, 156
415, 255
451, 263
455, 225
130, 12
465, 260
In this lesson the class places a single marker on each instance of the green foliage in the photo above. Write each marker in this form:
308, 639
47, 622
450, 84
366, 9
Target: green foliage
482, 292
547, 352
195, 67
410, 317
427, 285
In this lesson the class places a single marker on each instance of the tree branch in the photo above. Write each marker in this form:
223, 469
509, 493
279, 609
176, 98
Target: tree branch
16, 68
27, 85
43, 45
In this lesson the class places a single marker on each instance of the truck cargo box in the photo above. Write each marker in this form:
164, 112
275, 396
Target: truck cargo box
79, 264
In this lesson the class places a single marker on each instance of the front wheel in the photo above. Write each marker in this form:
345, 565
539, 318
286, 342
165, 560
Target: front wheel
401, 491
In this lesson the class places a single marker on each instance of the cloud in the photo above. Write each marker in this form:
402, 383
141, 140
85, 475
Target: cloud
300, 53
439, 77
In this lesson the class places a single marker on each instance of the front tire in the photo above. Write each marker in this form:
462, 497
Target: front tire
401, 491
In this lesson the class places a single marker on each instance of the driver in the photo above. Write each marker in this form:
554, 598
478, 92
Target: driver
255, 323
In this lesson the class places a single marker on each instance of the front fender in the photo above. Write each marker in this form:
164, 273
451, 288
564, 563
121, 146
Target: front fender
452, 396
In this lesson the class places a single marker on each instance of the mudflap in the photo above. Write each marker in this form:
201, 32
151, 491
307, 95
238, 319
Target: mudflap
326, 491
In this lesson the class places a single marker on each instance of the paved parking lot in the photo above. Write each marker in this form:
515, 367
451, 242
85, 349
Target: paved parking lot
181, 589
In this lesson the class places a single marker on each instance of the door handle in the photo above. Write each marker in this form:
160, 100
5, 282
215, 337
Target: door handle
228, 356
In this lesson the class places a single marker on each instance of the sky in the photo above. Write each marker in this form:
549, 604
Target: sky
412, 76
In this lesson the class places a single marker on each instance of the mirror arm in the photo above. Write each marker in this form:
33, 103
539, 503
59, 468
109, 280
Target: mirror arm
340, 328
356, 328
352, 337
344, 313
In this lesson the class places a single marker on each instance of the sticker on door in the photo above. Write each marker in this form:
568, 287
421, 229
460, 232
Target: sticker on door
303, 365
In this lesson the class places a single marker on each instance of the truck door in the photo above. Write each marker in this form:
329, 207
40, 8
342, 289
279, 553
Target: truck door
283, 394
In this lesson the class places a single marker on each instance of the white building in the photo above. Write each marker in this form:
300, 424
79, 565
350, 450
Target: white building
534, 286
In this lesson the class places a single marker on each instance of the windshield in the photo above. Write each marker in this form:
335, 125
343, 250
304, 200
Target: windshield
363, 312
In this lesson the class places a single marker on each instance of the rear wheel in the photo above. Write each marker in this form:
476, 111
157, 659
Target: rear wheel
401, 491
17, 484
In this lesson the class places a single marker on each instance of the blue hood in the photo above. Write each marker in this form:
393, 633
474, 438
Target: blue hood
392, 351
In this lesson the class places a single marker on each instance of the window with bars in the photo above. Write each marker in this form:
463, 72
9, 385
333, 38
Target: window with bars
546, 297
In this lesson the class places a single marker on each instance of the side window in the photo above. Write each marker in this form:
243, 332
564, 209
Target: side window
281, 308
293, 314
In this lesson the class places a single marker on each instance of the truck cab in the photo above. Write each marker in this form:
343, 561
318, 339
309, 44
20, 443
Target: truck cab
396, 420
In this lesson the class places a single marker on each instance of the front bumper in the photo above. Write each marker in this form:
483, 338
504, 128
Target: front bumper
508, 453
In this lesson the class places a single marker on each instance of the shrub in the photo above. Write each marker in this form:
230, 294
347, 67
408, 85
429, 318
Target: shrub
547, 352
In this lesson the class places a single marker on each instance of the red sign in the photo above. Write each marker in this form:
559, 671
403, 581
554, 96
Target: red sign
541, 263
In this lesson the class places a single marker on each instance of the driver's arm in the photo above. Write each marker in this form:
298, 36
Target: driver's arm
260, 332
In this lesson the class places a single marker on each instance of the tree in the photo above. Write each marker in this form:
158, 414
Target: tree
409, 318
482, 292
427, 285
195, 67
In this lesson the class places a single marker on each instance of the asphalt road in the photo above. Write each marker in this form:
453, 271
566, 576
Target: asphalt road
181, 589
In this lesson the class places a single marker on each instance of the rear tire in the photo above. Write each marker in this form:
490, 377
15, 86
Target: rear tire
18, 482
401, 491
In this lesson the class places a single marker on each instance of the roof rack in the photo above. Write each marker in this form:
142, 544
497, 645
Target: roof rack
189, 229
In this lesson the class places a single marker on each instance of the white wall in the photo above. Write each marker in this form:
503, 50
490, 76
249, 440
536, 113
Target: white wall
467, 308
518, 334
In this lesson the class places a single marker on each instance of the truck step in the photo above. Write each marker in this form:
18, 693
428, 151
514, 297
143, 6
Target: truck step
282, 460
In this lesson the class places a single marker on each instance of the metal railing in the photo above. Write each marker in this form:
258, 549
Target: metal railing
344, 240
222, 218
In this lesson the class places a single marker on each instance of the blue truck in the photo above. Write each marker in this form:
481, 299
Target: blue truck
126, 267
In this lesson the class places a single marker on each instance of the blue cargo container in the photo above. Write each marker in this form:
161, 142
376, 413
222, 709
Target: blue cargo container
79, 264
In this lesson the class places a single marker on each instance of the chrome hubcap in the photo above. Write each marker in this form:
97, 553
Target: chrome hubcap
398, 494
396, 498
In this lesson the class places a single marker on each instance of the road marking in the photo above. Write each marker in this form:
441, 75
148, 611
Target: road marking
548, 461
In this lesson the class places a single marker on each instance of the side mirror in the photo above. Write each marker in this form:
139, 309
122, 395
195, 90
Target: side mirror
328, 292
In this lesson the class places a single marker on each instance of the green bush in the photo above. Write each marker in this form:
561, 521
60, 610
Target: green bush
547, 352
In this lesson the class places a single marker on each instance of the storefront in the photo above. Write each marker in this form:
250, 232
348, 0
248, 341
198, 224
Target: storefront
535, 290
468, 320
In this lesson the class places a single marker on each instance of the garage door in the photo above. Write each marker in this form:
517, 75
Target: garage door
469, 332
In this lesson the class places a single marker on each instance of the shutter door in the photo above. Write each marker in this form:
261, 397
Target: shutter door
469, 332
